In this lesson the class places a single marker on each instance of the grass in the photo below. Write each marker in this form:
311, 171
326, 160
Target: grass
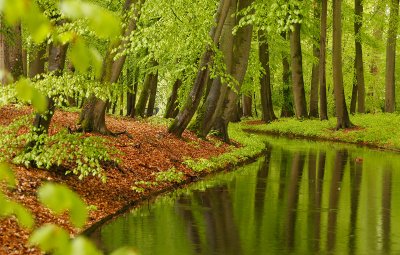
379, 130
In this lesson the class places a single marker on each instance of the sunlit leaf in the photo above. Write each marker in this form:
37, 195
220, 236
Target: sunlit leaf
97, 62
103, 22
60, 198
22, 214
50, 238
37, 24
39, 101
79, 55
6, 174
82, 246
24, 90
125, 251
14, 10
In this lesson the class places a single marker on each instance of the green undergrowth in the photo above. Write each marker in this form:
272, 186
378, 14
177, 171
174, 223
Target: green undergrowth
250, 146
381, 130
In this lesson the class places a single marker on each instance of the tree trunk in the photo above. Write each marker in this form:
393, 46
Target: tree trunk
186, 114
36, 65
129, 94
247, 106
11, 52
323, 104
144, 95
354, 93
390, 93
314, 76
90, 120
342, 115
359, 62
297, 73
152, 96
287, 92
135, 88
172, 105
268, 114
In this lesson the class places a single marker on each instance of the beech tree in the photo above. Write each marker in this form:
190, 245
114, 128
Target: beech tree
343, 120
322, 62
390, 92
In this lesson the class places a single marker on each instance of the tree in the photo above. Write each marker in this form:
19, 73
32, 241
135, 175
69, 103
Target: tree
315, 68
265, 80
343, 120
358, 85
186, 113
171, 110
322, 62
390, 92
287, 91
297, 73
92, 117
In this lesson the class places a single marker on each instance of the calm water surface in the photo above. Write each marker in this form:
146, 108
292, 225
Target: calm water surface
299, 198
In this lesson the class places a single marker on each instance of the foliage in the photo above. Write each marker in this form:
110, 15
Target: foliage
83, 156
171, 175
141, 186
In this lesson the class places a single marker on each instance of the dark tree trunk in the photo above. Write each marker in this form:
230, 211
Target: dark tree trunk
152, 96
135, 89
359, 62
268, 114
343, 120
12, 54
194, 98
144, 95
354, 93
287, 92
36, 65
323, 104
314, 76
90, 120
129, 94
247, 105
172, 105
297, 73
390, 92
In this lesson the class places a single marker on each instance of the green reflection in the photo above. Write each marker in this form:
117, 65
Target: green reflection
299, 198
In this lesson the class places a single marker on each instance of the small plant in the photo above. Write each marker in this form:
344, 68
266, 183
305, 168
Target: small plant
84, 156
172, 175
141, 186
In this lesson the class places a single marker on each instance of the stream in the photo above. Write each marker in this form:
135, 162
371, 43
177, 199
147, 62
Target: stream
300, 197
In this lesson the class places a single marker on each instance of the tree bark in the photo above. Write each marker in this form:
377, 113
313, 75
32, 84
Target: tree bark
172, 105
354, 93
390, 92
247, 102
186, 114
130, 77
297, 73
90, 120
134, 96
323, 104
144, 95
11, 51
36, 65
314, 75
342, 115
152, 96
359, 62
287, 91
268, 114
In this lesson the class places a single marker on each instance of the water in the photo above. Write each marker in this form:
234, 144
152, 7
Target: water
299, 198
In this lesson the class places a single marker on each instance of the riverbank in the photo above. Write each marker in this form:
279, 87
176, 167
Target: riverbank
152, 162
373, 130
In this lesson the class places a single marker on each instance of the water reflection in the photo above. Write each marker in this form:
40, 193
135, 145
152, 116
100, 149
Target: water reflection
297, 199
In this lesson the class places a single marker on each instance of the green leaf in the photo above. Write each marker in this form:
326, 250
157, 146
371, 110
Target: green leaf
103, 22
59, 198
24, 90
22, 214
39, 101
14, 10
37, 24
125, 251
6, 174
82, 246
79, 56
50, 238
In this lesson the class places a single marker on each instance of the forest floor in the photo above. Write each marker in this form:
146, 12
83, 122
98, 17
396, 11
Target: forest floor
151, 150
